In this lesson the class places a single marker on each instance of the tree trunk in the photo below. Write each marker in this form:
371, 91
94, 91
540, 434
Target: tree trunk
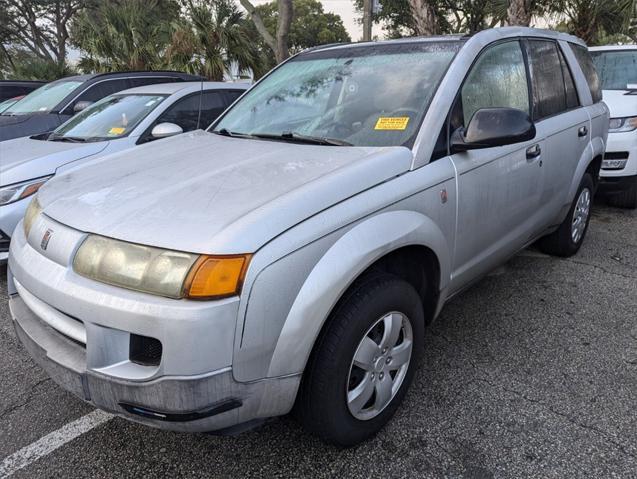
367, 20
424, 15
286, 12
519, 13
279, 45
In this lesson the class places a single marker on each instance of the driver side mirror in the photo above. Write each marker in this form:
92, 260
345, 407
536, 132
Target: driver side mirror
164, 130
491, 127
81, 105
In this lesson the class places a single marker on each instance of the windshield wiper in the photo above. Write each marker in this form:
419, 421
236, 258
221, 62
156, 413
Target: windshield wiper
232, 134
69, 139
298, 138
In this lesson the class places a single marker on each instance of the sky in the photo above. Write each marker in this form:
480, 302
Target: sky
344, 8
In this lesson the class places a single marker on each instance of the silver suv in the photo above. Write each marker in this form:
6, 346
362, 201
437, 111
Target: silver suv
291, 256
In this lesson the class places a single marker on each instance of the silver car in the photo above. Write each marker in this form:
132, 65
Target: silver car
292, 256
118, 122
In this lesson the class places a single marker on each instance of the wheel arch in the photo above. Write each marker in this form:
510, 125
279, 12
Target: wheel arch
386, 242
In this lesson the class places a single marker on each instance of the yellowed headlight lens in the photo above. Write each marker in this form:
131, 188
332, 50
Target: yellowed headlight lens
32, 212
214, 277
133, 266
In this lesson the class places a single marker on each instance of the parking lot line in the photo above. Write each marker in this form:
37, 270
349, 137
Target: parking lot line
51, 442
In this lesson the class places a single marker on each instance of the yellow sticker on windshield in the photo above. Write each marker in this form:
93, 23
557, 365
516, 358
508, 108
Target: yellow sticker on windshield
116, 130
392, 123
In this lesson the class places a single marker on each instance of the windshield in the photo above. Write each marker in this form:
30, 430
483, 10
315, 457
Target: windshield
616, 69
7, 103
361, 95
44, 99
112, 117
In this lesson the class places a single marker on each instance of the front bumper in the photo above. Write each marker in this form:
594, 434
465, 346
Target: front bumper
10, 216
621, 146
609, 185
80, 332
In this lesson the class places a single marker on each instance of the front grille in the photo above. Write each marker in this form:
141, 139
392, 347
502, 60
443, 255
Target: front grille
5, 239
616, 155
144, 350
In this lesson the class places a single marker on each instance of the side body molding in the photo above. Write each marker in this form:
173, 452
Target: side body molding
339, 267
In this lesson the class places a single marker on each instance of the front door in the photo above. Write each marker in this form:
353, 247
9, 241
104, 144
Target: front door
500, 188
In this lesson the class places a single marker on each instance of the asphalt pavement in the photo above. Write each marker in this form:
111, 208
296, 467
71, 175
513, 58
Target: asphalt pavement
530, 373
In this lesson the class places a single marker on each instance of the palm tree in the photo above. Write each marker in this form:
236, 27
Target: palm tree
212, 40
131, 35
589, 19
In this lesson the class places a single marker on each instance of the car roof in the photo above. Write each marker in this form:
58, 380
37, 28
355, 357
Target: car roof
488, 35
22, 82
93, 77
172, 88
613, 47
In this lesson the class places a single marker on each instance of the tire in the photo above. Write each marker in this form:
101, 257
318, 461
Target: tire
568, 238
625, 199
331, 378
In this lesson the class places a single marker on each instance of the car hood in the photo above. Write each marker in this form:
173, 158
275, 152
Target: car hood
24, 158
205, 193
17, 126
620, 104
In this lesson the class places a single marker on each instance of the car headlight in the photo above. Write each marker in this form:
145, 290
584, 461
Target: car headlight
33, 211
19, 191
622, 125
159, 271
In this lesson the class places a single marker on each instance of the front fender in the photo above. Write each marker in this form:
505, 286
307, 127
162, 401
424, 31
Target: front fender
343, 262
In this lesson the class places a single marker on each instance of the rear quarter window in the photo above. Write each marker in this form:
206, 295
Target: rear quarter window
586, 64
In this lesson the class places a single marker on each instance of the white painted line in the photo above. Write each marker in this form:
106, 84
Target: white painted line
50, 442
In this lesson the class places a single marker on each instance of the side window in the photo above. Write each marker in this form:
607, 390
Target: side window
98, 91
498, 79
184, 112
586, 63
233, 95
549, 93
572, 100
212, 104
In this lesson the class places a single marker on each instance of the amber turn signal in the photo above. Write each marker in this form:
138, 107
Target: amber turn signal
215, 277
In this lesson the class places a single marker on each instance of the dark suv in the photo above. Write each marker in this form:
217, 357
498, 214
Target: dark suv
50, 105
11, 89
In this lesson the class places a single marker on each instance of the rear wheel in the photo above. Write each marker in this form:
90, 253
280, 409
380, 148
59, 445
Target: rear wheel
625, 199
568, 238
363, 361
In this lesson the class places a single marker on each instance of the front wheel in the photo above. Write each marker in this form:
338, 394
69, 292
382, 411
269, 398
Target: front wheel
568, 238
363, 361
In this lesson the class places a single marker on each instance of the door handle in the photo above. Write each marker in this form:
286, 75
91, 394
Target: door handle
533, 152
583, 131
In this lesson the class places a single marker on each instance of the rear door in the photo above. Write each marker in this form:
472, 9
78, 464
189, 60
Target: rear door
500, 188
560, 118
598, 111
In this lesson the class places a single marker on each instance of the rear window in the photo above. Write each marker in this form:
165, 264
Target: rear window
586, 63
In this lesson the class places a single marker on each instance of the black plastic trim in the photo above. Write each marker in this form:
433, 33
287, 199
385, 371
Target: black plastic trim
219, 408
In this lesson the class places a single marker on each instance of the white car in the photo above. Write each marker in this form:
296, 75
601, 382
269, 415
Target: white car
115, 123
617, 69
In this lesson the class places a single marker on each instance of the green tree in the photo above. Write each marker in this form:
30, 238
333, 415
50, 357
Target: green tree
34, 36
125, 34
310, 27
594, 20
450, 16
213, 38
277, 42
